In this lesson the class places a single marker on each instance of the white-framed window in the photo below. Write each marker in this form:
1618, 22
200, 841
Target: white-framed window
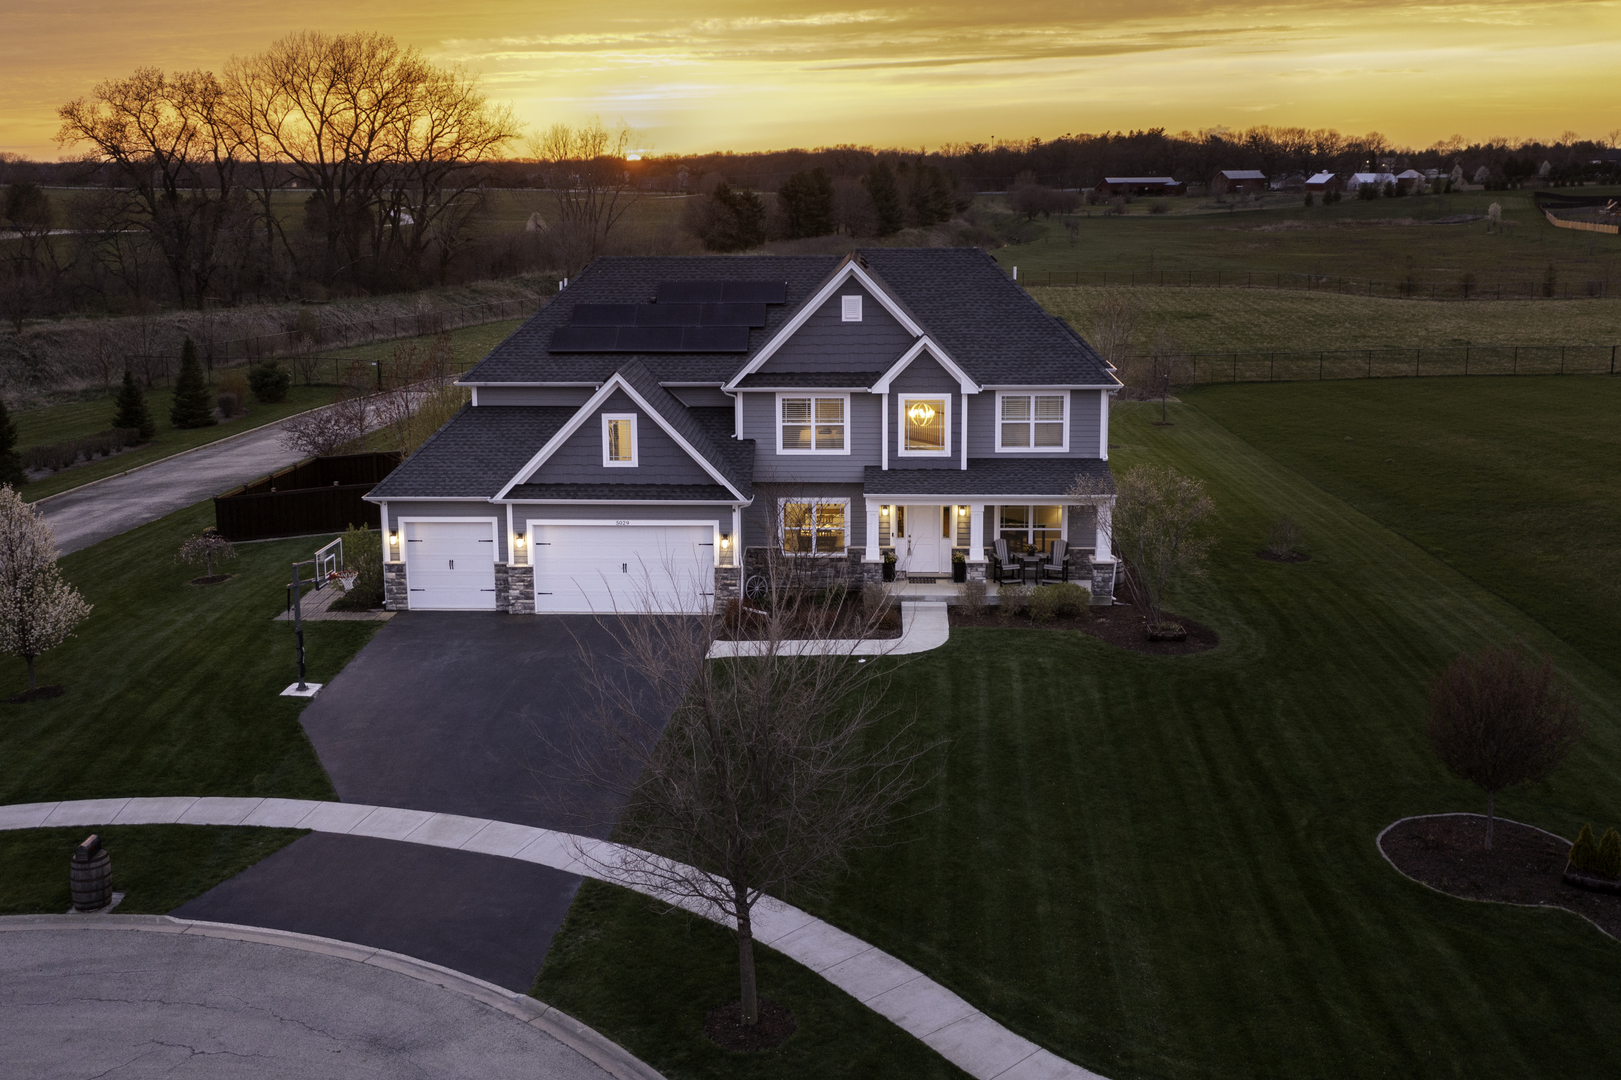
1030, 528
850, 308
813, 423
814, 526
1033, 420
925, 425
619, 444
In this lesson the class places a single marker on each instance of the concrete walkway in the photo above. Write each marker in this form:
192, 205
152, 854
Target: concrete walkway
131, 996
955, 1029
924, 626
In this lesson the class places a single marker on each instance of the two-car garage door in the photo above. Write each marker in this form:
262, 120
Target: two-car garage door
625, 568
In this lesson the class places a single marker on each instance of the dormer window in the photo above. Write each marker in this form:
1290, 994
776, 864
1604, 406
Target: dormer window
851, 308
619, 440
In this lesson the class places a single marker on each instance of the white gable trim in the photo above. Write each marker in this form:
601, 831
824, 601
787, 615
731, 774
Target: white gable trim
616, 382
851, 269
967, 385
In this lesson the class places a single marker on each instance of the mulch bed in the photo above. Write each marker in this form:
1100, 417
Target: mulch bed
1447, 852
1122, 625
851, 622
725, 1029
211, 579
39, 693
1288, 556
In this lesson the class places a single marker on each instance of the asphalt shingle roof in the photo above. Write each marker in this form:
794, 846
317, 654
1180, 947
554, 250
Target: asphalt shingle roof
475, 454
621, 492
992, 477
679, 417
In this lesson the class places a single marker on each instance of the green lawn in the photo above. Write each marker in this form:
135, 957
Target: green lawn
1165, 867
156, 867
172, 689
58, 423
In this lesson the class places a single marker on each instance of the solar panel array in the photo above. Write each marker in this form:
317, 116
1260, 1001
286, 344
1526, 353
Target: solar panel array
685, 316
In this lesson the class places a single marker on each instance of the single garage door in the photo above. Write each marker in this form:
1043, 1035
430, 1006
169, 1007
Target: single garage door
626, 568
450, 565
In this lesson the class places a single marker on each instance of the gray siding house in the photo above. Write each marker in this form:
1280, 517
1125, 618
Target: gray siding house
666, 425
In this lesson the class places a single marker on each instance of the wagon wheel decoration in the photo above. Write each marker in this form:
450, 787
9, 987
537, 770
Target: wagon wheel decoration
756, 587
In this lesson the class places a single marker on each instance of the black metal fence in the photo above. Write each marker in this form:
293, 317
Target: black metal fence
1587, 289
316, 496
1295, 365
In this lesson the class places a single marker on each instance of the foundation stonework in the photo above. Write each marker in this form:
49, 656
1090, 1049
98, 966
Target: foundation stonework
395, 595
520, 590
501, 588
1103, 579
728, 585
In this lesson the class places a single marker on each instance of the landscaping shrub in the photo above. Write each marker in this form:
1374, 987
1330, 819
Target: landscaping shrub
191, 407
229, 404
269, 382
1608, 863
875, 599
1013, 600
233, 385
132, 411
971, 597
362, 553
11, 467
1283, 536
57, 456
1064, 599
1584, 852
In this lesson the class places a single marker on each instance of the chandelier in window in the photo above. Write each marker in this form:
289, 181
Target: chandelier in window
920, 413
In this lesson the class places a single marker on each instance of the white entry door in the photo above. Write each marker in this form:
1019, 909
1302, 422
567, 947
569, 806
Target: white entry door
623, 568
450, 565
923, 545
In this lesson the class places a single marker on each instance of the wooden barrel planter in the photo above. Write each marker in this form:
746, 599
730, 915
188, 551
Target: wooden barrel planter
90, 875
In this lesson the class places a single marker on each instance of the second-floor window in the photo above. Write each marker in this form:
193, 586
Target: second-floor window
619, 440
812, 425
925, 425
1032, 422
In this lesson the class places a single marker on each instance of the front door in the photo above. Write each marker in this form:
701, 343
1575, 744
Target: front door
923, 541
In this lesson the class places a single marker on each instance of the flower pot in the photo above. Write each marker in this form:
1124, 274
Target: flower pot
959, 572
889, 571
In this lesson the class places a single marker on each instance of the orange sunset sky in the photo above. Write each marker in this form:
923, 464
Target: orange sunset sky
707, 75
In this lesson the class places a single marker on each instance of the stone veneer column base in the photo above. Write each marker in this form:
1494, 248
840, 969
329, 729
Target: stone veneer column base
872, 573
502, 589
728, 585
520, 590
395, 595
1103, 579
976, 571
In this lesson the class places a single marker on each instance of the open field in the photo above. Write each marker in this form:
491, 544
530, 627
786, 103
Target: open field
172, 688
1214, 320
1385, 239
59, 423
1165, 867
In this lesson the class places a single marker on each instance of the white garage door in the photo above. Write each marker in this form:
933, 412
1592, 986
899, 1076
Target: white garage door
626, 568
450, 565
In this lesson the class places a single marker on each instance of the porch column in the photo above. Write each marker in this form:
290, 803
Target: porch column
976, 532
872, 553
1105, 535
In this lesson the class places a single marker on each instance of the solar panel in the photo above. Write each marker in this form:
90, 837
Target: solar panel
584, 339
732, 315
666, 315
688, 292
715, 339
603, 314
754, 292
649, 339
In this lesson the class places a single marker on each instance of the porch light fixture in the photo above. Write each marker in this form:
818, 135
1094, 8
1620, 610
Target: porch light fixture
883, 510
519, 541
393, 538
962, 511
725, 540
921, 412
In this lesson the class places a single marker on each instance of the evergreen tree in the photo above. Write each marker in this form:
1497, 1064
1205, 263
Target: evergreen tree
191, 407
886, 198
11, 466
807, 199
132, 411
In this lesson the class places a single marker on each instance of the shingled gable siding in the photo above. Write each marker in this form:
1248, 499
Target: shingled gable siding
1085, 408
863, 429
534, 395
660, 460
472, 508
827, 343
925, 376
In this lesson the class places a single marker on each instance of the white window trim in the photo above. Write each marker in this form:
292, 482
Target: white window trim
1032, 393
635, 442
782, 525
850, 307
813, 395
901, 401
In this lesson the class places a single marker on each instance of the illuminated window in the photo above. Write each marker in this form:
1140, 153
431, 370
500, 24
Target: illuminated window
1026, 527
812, 425
925, 426
1032, 422
619, 440
813, 526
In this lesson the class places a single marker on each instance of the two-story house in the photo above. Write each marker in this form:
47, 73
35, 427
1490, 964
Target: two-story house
665, 424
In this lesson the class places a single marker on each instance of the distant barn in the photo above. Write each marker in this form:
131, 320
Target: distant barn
1238, 182
1323, 181
1141, 185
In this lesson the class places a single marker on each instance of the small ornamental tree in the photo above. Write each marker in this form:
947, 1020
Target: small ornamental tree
1499, 718
11, 466
132, 411
1156, 527
1584, 852
38, 610
191, 407
1608, 863
204, 548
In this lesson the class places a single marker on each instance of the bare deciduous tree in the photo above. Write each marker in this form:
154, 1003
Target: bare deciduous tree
772, 767
324, 430
1501, 717
1155, 526
38, 610
1114, 321
584, 169
204, 548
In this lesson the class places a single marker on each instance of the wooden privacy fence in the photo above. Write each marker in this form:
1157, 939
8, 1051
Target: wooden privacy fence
1295, 365
321, 495
1593, 289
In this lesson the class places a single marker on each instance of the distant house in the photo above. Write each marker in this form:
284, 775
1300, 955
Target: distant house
1238, 182
1323, 181
1141, 185
1377, 179
1292, 182
1411, 179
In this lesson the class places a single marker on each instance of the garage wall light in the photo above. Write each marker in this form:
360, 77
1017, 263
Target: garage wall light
393, 538
519, 540
725, 540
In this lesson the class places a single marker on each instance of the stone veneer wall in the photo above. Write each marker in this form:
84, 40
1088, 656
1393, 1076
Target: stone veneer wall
812, 571
520, 590
502, 588
1103, 579
728, 585
395, 595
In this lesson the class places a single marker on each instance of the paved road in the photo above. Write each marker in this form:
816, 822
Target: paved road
89, 514
126, 1004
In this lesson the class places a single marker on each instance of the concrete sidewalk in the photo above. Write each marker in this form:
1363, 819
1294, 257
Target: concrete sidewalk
924, 626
